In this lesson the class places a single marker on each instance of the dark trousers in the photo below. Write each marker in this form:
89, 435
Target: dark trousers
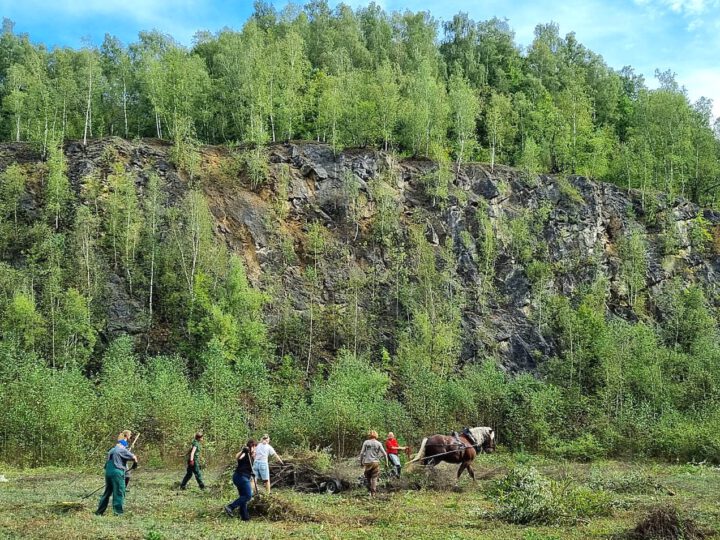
193, 469
242, 483
115, 487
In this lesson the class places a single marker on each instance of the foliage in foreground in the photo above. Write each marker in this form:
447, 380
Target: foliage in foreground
524, 496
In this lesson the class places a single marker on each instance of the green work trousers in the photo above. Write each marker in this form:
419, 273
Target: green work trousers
115, 486
193, 469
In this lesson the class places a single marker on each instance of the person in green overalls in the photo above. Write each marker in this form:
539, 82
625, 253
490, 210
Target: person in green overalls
193, 463
115, 467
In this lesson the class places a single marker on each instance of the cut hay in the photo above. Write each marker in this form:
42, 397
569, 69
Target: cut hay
666, 523
276, 508
67, 507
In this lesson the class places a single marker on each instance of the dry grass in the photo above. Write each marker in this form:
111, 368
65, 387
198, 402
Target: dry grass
666, 523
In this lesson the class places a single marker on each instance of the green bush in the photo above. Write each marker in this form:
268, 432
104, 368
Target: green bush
583, 448
525, 497
256, 166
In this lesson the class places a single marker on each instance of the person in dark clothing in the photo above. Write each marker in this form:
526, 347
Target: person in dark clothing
241, 479
193, 463
115, 467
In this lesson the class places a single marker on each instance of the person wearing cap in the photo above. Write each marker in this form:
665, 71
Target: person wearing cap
261, 468
193, 463
392, 447
115, 467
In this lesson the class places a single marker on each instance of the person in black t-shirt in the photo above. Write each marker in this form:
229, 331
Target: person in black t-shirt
241, 479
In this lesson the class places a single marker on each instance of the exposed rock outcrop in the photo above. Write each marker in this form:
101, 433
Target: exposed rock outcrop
576, 226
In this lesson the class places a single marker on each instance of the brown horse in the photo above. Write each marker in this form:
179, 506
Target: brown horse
461, 448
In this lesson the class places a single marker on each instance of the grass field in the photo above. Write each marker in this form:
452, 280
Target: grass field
34, 504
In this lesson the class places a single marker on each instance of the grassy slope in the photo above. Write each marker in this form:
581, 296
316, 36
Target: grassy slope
156, 509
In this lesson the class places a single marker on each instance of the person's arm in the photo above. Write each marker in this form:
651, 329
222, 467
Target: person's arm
127, 455
387, 460
192, 455
362, 452
277, 456
240, 455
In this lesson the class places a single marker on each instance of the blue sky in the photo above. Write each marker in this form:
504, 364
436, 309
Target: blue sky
681, 35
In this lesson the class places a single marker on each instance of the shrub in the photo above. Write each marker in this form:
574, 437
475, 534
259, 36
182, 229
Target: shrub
351, 402
525, 497
699, 235
584, 448
255, 164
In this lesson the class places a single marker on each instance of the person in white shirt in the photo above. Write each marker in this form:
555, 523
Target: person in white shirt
263, 452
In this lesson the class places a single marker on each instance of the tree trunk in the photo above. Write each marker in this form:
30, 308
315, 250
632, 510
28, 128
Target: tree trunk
87, 109
125, 108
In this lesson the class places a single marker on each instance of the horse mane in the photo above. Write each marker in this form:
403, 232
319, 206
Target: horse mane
482, 434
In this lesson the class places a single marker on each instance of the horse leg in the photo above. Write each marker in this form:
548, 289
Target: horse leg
470, 470
462, 467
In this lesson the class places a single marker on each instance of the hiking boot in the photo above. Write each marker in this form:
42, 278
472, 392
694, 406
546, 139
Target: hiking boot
183, 487
228, 510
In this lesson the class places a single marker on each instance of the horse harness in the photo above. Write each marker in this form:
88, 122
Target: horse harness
469, 436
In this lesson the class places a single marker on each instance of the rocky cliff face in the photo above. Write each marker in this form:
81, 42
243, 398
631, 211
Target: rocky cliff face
515, 239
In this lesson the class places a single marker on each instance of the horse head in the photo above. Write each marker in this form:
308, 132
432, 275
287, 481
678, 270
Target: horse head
485, 437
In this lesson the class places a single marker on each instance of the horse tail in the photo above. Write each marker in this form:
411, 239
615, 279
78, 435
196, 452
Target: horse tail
421, 452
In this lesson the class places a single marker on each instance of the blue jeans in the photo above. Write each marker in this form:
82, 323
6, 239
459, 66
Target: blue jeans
262, 470
395, 460
242, 483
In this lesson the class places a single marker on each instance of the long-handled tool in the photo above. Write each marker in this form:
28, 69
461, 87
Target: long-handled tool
88, 495
252, 474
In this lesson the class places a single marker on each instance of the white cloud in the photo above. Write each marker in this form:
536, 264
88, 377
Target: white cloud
691, 7
703, 82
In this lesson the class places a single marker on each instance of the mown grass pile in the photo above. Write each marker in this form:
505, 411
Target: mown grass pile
667, 523
275, 507
524, 496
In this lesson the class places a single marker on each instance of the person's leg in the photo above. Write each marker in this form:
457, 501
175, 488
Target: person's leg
118, 484
187, 477
374, 478
262, 473
245, 495
233, 505
105, 498
395, 460
198, 475
373, 485
256, 471
368, 477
